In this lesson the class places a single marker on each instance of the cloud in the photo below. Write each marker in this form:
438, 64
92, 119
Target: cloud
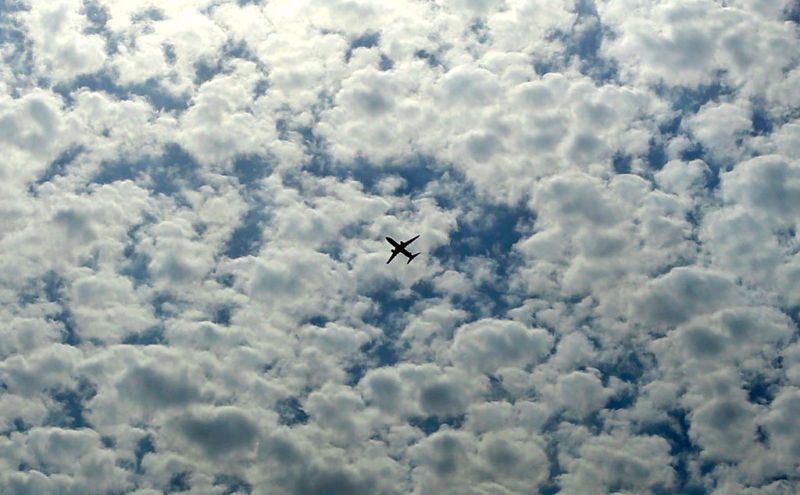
619, 462
488, 345
682, 293
59, 460
767, 184
679, 177
61, 48
30, 126
219, 432
151, 388
778, 422
195, 296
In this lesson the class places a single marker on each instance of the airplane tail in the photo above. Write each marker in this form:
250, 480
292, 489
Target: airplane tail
412, 257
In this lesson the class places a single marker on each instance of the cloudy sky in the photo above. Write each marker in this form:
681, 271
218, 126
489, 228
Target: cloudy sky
194, 292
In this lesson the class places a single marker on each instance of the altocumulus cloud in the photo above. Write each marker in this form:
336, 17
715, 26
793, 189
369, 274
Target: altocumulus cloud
193, 201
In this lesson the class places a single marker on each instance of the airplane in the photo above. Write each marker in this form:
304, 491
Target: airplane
400, 247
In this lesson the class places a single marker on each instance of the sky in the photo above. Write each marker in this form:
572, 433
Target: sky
194, 295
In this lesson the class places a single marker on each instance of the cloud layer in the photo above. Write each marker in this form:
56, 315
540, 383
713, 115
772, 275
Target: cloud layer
193, 201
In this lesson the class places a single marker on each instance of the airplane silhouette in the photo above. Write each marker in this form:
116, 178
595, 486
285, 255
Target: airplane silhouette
400, 247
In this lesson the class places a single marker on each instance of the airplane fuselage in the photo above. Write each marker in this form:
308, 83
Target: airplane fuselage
397, 247
400, 248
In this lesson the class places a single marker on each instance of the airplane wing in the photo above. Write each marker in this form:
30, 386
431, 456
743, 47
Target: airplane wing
394, 253
406, 243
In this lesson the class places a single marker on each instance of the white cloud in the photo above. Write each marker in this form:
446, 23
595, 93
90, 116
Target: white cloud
74, 461
779, 422
617, 462
30, 126
581, 394
767, 184
679, 177
681, 294
193, 203
487, 345
62, 50
720, 128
